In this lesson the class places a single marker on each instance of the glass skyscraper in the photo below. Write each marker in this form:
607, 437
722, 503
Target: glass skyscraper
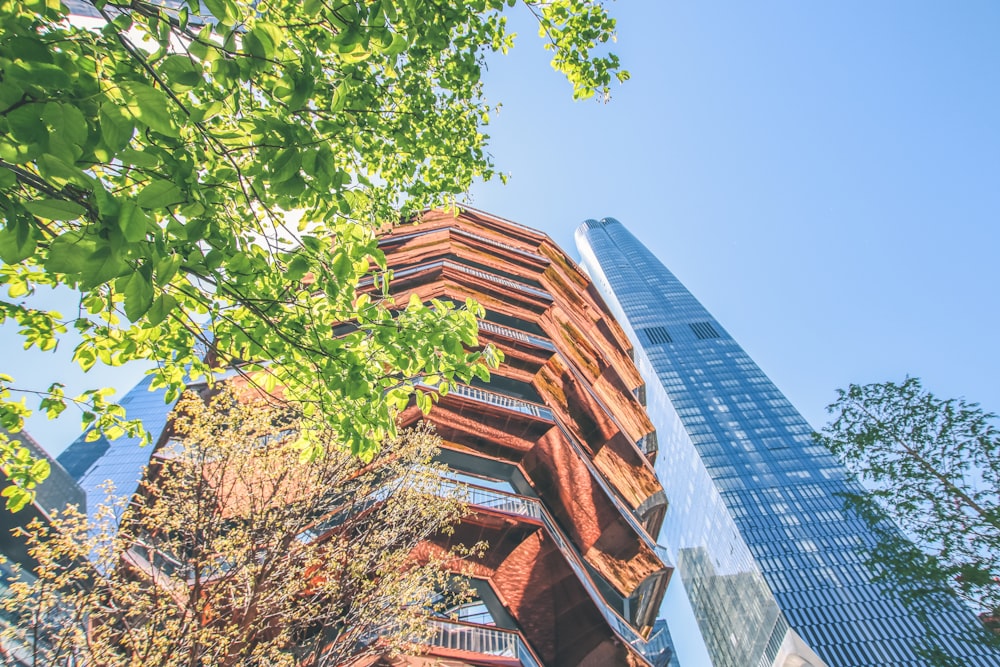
773, 567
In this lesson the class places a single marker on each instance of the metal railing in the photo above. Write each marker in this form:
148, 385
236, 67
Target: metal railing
489, 496
500, 244
665, 555
531, 507
495, 500
647, 444
478, 639
160, 561
516, 225
503, 401
506, 282
485, 640
397, 239
515, 334
623, 509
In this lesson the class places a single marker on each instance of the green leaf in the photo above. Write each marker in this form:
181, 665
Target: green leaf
139, 158
181, 72
150, 106
17, 244
138, 291
166, 268
55, 209
46, 75
159, 194
271, 35
7, 178
397, 46
103, 265
343, 267
40, 470
399, 398
161, 307
340, 96
253, 45
424, 401
59, 171
116, 127
26, 124
66, 120
297, 268
224, 10
285, 165
68, 253
303, 88
133, 222
17, 497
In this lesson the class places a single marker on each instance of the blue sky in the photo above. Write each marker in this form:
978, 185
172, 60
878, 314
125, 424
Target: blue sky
823, 176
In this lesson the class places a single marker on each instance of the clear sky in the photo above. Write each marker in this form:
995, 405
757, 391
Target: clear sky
823, 176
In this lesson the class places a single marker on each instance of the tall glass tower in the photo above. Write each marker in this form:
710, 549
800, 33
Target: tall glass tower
772, 565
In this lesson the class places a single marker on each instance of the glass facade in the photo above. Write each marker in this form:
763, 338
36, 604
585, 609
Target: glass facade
123, 461
762, 543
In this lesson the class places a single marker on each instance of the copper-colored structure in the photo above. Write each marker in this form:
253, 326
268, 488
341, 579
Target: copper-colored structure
557, 450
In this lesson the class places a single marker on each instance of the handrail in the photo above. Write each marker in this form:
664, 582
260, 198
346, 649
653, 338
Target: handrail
396, 239
497, 500
516, 334
516, 225
500, 244
486, 640
543, 412
506, 282
647, 444
537, 410
493, 499
503, 401
665, 555
640, 444
626, 513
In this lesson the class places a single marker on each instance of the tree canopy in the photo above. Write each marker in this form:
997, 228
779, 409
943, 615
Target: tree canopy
932, 467
211, 175
235, 553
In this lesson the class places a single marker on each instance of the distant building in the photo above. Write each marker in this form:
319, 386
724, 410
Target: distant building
54, 494
772, 565
95, 463
60, 488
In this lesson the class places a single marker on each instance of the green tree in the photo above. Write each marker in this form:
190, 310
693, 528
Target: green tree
235, 553
213, 176
932, 467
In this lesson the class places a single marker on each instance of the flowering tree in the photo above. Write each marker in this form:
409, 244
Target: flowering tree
236, 553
